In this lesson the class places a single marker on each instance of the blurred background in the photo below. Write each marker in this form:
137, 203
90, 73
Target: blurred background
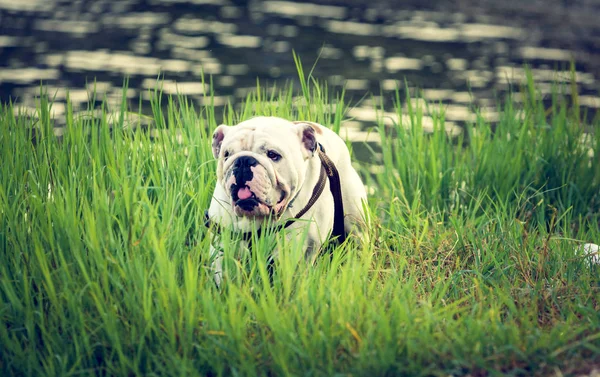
454, 52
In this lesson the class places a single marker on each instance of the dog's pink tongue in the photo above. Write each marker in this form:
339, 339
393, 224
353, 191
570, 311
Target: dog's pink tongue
244, 193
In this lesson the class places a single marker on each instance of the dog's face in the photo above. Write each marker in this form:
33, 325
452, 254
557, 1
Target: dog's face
262, 163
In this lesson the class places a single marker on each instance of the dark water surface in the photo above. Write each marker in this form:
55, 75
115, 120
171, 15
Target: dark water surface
455, 51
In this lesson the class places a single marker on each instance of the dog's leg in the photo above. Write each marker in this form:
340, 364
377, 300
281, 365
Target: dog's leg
217, 264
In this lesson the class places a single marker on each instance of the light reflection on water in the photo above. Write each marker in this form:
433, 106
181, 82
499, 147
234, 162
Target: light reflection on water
457, 54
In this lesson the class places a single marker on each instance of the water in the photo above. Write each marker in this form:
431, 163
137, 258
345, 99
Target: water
456, 52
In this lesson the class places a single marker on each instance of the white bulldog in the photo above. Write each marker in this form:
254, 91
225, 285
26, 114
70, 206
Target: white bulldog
268, 168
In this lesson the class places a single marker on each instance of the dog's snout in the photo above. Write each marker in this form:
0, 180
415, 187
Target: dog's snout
242, 170
245, 162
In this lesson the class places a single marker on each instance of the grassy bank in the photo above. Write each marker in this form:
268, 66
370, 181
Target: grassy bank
472, 268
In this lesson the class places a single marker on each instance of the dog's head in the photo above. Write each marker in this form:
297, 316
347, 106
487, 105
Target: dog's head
262, 163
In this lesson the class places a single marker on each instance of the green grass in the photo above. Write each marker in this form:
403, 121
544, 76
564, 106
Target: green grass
472, 267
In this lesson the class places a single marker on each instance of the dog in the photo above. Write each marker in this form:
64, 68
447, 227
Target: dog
272, 171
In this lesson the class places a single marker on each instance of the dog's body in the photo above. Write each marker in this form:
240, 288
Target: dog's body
268, 168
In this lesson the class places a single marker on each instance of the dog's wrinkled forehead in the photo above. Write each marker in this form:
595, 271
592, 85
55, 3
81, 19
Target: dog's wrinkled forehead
263, 132
240, 139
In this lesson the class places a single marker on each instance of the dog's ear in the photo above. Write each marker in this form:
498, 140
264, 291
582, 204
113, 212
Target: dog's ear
307, 133
217, 139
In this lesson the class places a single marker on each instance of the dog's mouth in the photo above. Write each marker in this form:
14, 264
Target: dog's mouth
245, 199
249, 204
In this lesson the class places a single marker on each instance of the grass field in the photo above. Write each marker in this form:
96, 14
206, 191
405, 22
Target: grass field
472, 269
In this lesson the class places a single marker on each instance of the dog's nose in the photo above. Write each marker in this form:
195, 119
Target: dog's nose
245, 162
242, 169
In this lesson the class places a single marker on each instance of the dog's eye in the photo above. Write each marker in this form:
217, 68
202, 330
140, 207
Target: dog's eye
274, 155
226, 154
